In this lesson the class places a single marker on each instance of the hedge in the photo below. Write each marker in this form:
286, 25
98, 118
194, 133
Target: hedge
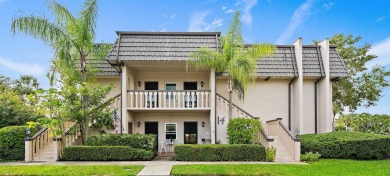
137, 141
347, 145
220, 152
105, 153
12, 142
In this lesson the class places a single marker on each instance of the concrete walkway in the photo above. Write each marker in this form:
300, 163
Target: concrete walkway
159, 166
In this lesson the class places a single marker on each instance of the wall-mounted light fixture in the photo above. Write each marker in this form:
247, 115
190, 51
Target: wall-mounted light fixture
203, 124
201, 84
138, 124
139, 83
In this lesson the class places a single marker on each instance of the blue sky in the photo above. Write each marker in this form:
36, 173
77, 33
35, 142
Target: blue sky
275, 21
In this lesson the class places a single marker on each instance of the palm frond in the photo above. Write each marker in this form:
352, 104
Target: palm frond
62, 14
205, 58
259, 51
88, 21
38, 28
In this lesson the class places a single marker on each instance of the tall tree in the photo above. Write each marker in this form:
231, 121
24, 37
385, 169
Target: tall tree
26, 85
235, 58
364, 85
72, 38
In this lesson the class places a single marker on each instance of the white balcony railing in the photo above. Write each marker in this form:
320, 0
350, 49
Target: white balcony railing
161, 99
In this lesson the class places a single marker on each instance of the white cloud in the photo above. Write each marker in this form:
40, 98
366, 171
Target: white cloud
197, 21
21, 67
172, 16
328, 5
382, 18
215, 24
224, 7
246, 15
298, 18
229, 11
380, 49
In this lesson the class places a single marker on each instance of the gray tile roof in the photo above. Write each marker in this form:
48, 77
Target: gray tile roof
160, 46
281, 64
103, 67
336, 65
312, 65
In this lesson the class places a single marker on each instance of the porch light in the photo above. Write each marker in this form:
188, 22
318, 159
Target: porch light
201, 84
28, 132
139, 83
138, 124
203, 124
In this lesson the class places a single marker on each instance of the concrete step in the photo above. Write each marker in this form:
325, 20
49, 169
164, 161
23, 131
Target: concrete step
43, 158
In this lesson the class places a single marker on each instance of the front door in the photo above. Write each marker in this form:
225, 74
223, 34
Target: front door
151, 99
190, 132
152, 128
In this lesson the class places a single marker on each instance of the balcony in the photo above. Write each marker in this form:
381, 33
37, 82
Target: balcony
168, 100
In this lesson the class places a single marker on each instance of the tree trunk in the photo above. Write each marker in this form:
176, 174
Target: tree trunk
230, 91
85, 98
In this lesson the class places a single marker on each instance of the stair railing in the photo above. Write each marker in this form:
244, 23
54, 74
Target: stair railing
293, 144
223, 104
37, 143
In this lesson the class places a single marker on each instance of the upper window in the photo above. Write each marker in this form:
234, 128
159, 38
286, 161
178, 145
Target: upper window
170, 87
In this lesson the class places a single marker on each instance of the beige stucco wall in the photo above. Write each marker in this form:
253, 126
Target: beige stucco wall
308, 107
265, 99
172, 117
115, 81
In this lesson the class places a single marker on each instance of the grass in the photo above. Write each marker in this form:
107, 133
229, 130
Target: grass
106, 170
322, 167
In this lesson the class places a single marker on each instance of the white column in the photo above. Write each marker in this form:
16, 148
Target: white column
325, 93
297, 91
28, 150
212, 105
124, 98
56, 148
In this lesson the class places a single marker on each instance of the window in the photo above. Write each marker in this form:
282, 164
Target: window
170, 87
170, 130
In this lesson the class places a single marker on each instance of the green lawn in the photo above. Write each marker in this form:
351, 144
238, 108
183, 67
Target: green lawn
105, 170
322, 167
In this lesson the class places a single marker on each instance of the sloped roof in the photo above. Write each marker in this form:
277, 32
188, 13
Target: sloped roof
336, 65
160, 46
312, 65
281, 64
103, 67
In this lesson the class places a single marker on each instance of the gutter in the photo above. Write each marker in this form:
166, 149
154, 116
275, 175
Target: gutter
289, 102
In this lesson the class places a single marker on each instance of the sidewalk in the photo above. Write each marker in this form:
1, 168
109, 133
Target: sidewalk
159, 166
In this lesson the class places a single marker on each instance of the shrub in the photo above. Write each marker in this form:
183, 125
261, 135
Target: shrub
347, 145
137, 141
220, 152
105, 153
270, 154
243, 130
12, 142
364, 122
310, 157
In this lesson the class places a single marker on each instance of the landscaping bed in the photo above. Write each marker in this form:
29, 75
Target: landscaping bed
220, 152
347, 145
113, 147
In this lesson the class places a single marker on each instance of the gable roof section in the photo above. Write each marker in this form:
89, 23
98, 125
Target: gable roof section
103, 67
160, 46
337, 67
312, 65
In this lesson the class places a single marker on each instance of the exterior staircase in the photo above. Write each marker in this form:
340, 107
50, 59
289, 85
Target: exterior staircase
46, 154
275, 134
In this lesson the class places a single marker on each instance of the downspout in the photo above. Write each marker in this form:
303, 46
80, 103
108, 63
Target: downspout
316, 106
215, 99
117, 62
289, 102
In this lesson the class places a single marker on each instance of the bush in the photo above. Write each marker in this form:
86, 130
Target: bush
12, 142
137, 141
310, 157
347, 145
270, 154
243, 130
105, 153
365, 122
220, 152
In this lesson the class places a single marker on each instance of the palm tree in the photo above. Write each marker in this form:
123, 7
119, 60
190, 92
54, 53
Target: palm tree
26, 85
72, 38
235, 58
